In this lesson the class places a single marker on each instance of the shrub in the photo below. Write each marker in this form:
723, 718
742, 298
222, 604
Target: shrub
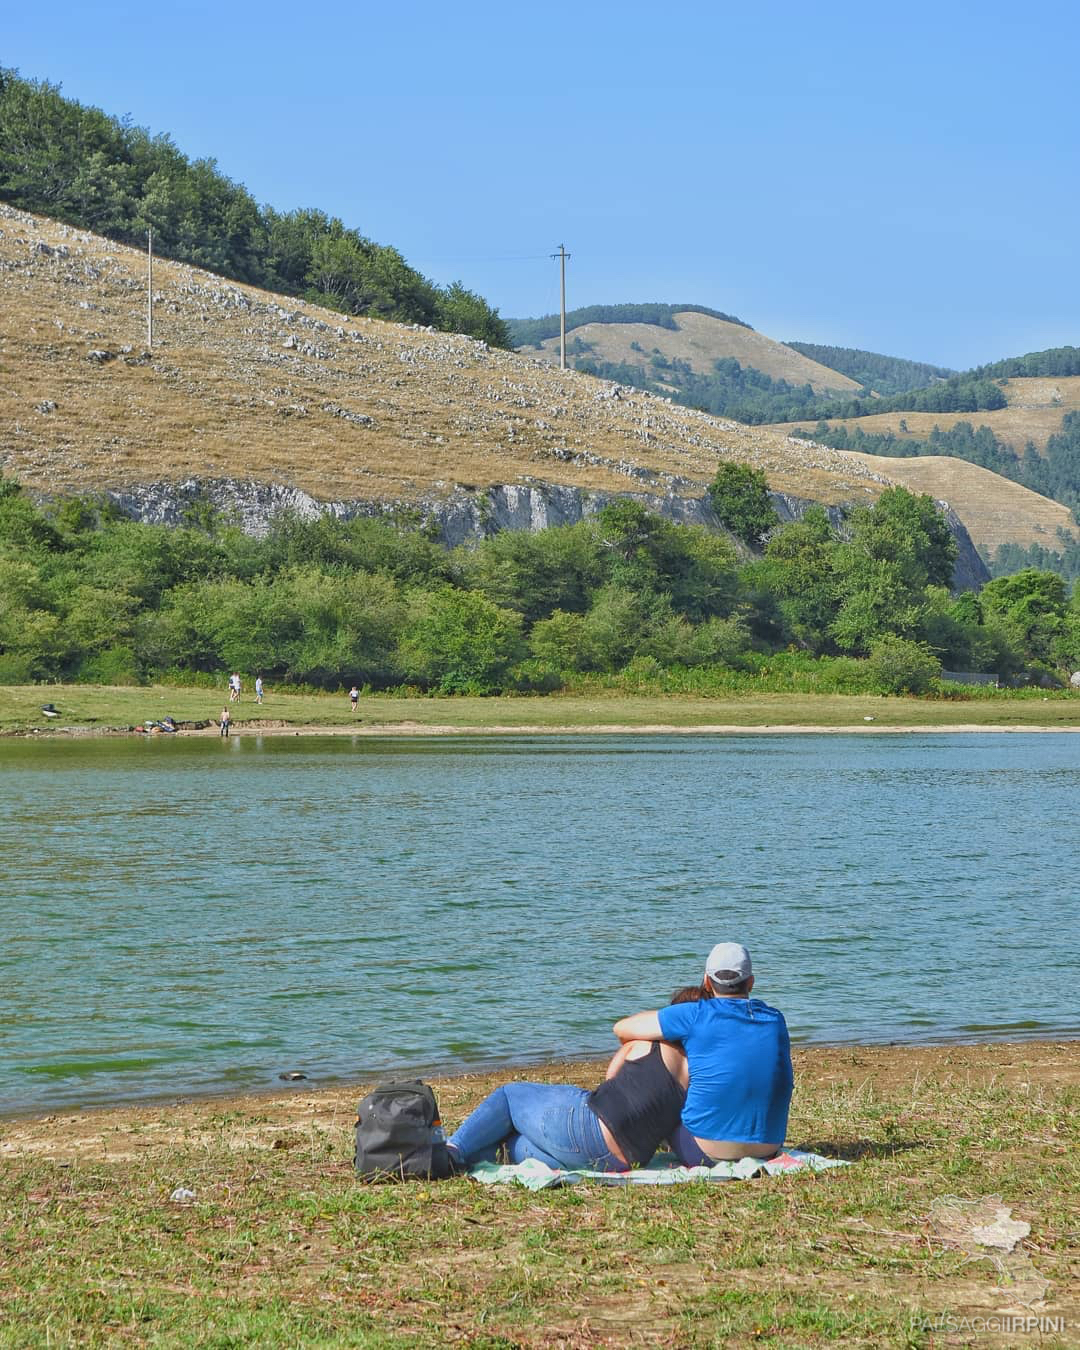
899, 666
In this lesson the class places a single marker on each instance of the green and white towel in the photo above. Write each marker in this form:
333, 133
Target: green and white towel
666, 1170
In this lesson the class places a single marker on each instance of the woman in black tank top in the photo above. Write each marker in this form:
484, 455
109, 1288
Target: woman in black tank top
641, 1105
618, 1125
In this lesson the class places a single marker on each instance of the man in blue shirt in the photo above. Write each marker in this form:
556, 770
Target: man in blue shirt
739, 1055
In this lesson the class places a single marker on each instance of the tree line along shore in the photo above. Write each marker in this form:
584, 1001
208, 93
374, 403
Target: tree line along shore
624, 602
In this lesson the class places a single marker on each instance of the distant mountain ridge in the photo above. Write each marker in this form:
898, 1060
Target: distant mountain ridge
533, 332
696, 356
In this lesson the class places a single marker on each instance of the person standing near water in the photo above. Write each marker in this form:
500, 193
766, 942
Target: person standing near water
354, 697
739, 1054
258, 688
226, 721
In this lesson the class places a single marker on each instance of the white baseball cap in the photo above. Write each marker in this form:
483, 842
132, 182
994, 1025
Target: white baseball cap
728, 965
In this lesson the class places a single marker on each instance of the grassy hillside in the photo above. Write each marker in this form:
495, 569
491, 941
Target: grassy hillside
700, 339
246, 384
249, 385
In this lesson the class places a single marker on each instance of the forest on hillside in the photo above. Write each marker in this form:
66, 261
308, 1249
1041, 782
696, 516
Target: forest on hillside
101, 173
623, 600
732, 389
883, 375
1054, 363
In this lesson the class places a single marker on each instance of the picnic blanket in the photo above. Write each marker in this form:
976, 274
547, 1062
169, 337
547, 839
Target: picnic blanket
665, 1170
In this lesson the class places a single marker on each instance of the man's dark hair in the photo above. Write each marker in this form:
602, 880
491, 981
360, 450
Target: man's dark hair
721, 983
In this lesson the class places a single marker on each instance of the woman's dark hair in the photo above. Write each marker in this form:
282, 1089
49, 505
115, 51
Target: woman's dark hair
691, 993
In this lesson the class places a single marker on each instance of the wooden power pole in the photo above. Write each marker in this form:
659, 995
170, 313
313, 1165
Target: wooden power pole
150, 290
562, 256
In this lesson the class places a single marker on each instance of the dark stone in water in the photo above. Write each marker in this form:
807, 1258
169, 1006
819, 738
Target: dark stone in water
292, 1076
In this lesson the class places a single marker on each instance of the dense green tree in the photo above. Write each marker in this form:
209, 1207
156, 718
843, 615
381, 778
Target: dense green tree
460, 642
1030, 608
902, 667
893, 551
562, 642
538, 574
459, 310
739, 496
84, 595
798, 571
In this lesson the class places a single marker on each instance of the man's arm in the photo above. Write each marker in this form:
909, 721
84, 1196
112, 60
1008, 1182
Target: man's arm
642, 1026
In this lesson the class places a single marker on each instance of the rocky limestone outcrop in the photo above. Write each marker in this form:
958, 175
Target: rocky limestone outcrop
462, 514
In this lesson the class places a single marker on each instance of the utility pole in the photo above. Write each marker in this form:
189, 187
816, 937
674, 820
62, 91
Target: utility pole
562, 256
150, 290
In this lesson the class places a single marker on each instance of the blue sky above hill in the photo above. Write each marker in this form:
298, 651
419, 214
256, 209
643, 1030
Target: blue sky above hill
903, 181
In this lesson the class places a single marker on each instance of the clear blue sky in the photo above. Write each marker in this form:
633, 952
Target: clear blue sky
900, 178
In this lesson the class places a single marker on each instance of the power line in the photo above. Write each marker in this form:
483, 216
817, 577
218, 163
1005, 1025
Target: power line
525, 257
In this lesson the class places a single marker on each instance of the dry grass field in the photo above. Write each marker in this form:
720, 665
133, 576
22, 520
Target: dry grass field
994, 510
1036, 407
701, 340
245, 384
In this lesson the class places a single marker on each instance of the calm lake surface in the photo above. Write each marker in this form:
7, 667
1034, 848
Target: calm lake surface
184, 916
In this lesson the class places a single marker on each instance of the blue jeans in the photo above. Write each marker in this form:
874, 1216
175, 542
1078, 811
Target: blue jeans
554, 1124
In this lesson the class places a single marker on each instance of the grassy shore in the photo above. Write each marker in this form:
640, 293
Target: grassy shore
281, 1246
88, 708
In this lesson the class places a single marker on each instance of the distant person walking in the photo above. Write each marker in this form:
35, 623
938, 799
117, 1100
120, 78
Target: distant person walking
226, 721
258, 688
234, 688
354, 697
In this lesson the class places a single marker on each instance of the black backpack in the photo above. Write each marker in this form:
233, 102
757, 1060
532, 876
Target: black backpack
399, 1134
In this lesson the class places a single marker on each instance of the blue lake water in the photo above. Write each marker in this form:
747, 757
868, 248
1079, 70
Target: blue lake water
184, 916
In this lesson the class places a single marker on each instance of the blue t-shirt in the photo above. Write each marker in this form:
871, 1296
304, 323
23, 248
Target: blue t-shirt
740, 1068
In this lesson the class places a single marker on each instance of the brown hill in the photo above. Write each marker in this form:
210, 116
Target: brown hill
701, 340
1034, 413
246, 385
994, 510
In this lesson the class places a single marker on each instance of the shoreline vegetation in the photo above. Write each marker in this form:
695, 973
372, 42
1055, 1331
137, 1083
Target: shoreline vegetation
271, 1240
103, 710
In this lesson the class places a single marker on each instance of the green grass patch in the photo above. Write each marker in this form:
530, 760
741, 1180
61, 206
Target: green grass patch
283, 1247
101, 707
